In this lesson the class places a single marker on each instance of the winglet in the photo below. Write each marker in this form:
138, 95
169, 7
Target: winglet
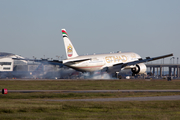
70, 50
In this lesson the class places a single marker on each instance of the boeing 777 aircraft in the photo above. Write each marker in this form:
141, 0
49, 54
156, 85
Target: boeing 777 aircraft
110, 63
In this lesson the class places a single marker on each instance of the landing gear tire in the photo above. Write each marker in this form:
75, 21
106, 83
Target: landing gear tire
133, 74
120, 77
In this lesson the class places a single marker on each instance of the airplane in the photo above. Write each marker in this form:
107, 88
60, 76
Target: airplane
110, 63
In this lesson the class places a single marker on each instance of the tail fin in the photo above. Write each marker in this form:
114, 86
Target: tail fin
70, 51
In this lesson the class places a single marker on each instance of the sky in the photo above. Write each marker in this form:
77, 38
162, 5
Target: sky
33, 27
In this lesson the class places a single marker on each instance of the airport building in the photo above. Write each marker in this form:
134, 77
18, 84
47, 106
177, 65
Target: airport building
7, 63
164, 70
12, 68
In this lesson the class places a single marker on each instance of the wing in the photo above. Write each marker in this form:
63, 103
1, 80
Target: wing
40, 60
148, 59
27, 59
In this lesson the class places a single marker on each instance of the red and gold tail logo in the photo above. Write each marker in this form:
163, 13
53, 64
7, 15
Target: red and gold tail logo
70, 50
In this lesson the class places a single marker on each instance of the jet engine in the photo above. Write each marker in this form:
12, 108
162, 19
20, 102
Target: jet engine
139, 69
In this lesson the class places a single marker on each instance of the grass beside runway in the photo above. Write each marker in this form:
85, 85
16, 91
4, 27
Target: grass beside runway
15, 106
89, 84
47, 95
41, 110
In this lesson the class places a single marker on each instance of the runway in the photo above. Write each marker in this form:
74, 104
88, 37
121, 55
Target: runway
88, 91
156, 98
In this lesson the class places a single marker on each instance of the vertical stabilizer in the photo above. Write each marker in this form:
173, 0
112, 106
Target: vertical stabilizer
70, 50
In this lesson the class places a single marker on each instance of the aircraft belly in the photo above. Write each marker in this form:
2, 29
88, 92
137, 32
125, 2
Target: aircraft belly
90, 67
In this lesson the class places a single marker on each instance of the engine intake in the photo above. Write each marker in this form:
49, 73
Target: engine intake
139, 69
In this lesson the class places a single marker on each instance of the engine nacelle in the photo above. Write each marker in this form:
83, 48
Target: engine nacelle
139, 69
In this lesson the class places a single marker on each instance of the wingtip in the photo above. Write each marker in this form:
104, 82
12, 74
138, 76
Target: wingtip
171, 54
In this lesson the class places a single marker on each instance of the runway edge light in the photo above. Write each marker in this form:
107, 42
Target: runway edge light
4, 91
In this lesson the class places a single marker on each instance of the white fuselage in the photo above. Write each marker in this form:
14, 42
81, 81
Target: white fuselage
98, 62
